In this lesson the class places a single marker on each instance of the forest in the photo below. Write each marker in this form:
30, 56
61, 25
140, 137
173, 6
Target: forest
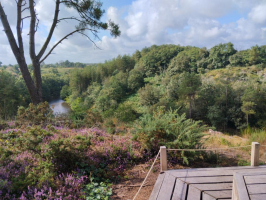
222, 87
122, 111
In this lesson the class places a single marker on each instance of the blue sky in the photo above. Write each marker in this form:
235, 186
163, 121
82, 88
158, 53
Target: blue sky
202, 23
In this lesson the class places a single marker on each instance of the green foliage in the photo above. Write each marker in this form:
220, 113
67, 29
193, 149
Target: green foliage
135, 80
219, 55
157, 58
187, 60
50, 154
126, 113
167, 128
248, 108
149, 95
65, 92
101, 191
35, 115
12, 94
242, 162
189, 84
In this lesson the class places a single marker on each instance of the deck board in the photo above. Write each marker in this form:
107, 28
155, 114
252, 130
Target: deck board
167, 187
180, 190
207, 184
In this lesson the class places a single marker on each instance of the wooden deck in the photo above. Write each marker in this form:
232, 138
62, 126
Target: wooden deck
249, 185
207, 183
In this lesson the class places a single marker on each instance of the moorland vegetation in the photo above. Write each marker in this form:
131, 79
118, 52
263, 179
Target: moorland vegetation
121, 112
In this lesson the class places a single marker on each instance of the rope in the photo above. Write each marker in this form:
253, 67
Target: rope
146, 176
215, 149
183, 150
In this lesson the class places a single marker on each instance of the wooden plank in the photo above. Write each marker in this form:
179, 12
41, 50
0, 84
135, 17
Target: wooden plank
255, 179
193, 193
256, 189
212, 179
157, 186
219, 168
225, 172
180, 190
239, 188
222, 194
206, 196
258, 197
213, 186
167, 188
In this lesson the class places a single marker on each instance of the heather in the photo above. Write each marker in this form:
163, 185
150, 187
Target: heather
56, 162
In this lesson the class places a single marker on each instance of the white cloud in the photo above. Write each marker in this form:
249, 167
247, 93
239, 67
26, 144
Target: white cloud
148, 22
258, 14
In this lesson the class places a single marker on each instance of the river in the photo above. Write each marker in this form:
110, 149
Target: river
59, 106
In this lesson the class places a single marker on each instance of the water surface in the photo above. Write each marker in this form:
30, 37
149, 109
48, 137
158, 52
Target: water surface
59, 106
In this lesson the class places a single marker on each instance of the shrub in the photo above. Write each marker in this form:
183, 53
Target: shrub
35, 156
35, 114
168, 129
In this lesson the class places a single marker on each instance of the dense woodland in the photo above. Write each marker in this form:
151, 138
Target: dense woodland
223, 87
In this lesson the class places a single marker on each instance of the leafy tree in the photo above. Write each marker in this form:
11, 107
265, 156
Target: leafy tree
135, 80
1, 64
186, 61
189, 84
248, 108
90, 13
219, 55
156, 59
149, 95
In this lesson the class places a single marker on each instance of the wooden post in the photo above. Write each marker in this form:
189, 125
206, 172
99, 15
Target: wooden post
163, 158
255, 153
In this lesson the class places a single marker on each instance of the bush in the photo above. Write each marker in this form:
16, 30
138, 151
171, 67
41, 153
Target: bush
35, 156
168, 129
35, 114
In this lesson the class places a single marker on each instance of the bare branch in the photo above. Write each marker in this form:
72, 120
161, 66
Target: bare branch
55, 21
25, 17
25, 9
19, 29
58, 44
25, 3
90, 40
71, 18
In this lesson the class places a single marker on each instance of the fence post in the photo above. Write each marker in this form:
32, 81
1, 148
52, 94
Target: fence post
255, 153
163, 158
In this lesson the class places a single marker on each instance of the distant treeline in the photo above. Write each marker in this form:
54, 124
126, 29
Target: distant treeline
66, 64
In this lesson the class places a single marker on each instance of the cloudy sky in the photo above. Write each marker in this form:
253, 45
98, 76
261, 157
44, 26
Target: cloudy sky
202, 23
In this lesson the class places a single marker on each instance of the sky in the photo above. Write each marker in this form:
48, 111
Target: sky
201, 23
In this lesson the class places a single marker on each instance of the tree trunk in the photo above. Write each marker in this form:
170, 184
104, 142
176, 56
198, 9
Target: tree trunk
19, 55
35, 98
190, 109
37, 78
